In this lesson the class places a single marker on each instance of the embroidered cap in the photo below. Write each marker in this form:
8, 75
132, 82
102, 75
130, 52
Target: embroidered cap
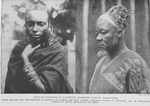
116, 16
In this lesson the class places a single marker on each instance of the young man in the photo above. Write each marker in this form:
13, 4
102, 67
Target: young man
37, 63
120, 70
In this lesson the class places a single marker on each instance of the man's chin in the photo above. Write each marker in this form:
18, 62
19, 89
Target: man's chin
36, 42
101, 53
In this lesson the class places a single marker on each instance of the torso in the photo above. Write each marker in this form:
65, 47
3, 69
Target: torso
111, 77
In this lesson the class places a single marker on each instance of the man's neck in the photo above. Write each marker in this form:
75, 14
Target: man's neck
48, 42
120, 48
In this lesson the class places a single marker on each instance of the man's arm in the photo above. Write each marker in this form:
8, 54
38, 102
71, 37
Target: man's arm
52, 81
46, 81
32, 76
29, 71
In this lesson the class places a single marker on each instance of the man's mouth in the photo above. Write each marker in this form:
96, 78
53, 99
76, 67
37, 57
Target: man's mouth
35, 36
101, 46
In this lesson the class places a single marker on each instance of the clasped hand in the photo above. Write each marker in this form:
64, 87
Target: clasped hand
28, 51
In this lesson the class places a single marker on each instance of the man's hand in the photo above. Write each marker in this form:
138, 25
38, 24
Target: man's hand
27, 52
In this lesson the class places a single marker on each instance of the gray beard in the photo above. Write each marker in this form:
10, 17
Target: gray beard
101, 53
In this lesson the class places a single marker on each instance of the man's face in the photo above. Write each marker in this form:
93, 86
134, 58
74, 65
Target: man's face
37, 26
106, 35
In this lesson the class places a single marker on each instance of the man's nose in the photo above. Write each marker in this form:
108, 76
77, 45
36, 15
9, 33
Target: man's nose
99, 38
35, 29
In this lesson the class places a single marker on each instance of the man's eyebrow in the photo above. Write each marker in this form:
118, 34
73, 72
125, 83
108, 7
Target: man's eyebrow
100, 29
41, 22
36, 21
29, 21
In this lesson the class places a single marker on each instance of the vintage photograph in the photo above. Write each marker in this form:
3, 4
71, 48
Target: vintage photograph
38, 46
115, 54
75, 47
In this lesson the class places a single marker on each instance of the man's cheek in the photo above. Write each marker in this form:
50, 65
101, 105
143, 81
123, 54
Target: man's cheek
114, 41
28, 31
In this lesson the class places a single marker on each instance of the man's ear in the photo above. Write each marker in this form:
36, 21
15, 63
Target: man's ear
120, 33
50, 29
24, 28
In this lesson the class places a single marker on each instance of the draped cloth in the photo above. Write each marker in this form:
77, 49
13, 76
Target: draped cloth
49, 63
127, 73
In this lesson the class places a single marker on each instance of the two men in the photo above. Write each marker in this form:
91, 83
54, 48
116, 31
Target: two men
120, 70
37, 63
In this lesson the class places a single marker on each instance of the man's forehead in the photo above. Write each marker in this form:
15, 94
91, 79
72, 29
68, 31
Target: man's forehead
36, 14
103, 24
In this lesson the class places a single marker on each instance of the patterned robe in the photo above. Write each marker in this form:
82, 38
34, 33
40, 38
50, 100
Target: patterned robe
127, 73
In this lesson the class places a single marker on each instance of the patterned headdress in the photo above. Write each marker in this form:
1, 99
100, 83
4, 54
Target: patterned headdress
116, 16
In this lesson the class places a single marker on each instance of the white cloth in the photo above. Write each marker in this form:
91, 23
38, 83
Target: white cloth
107, 18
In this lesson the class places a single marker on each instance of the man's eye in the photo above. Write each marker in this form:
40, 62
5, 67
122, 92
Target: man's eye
41, 24
103, 32
30, 24
96, 33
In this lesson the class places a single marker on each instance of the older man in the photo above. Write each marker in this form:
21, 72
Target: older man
37, 63
120, 70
